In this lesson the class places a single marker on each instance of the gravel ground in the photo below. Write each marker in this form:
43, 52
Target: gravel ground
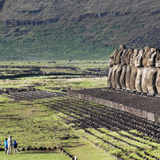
150, 104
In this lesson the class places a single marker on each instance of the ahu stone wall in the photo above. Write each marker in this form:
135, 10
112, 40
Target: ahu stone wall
135, 70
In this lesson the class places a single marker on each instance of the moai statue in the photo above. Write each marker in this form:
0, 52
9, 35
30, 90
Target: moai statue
133, 71
145, 70
124, 69
138, 65
158, 73
119, 66
152, 72
111, 64
114, 68
128, 70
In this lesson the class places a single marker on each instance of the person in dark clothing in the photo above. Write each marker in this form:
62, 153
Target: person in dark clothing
15, 147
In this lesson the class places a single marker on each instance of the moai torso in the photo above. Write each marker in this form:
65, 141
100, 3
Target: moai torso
120, 52
152, 71
113, 58
111, 64
124, 70
145, 70
114, 68
158, 73
138, 59
138, 65
116, 65
119, 66
128, 70
145, 57
133, 71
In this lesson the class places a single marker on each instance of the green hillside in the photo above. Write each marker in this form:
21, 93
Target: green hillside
65, 29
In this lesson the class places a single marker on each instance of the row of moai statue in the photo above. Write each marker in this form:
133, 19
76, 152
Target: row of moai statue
135, 70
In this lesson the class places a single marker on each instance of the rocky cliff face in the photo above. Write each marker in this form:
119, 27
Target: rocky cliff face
48, 9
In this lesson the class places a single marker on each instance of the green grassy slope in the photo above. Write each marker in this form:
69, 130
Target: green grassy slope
50, 41
84, 29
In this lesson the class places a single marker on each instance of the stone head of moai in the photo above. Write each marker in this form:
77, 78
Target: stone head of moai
144, 56
138, 59
112, 60
132, 58
151, 56
122, 46
128, 55
146, 49
119, 54
158, 59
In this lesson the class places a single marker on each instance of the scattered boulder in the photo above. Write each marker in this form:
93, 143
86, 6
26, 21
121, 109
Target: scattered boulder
94, 69
21, 149
64, 90
52, 62
40, 148
34, 148
55, 148
49, 148
28, 148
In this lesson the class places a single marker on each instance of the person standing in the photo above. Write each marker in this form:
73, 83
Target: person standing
15, 147
6, 146
10, 145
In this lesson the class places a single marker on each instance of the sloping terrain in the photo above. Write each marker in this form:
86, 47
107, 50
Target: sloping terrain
110, 129
76, 29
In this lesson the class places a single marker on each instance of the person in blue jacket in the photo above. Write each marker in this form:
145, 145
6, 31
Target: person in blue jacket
15, 147
6, 146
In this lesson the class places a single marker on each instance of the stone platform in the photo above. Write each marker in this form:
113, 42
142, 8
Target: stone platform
139, 105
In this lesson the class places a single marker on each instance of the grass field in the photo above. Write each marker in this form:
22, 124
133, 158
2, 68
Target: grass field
33, 124
35, 156
51, 122
55, 82
38, 124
